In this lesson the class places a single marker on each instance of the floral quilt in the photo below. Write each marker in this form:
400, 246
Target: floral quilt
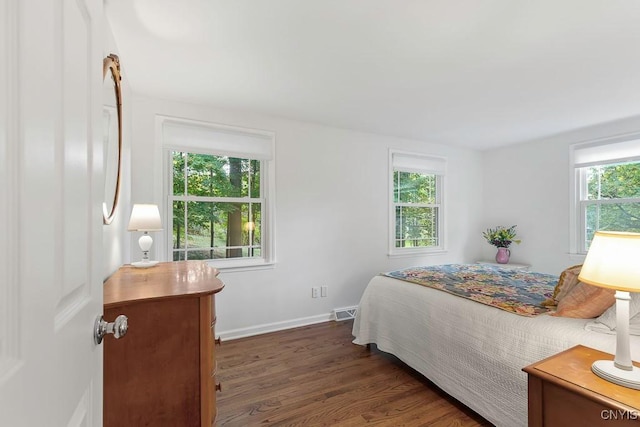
520, 292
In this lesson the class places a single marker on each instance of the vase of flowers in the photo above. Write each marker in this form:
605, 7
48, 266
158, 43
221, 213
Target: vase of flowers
502, 256
501, 237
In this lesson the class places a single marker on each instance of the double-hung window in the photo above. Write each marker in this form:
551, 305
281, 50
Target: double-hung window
220, 184
417, 214
606, 186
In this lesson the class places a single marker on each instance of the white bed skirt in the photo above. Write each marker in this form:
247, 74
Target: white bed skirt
472, 351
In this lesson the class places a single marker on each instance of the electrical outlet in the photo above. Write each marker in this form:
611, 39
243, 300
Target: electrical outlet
323, 291
314, 292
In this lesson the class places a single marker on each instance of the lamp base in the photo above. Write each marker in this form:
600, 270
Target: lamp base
605, 369
144, 264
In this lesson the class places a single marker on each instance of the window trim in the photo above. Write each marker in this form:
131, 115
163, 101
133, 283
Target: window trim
393, 251
578, 189
267, 171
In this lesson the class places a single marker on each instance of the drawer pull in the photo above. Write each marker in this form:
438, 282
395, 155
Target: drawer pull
218, 341
218, 387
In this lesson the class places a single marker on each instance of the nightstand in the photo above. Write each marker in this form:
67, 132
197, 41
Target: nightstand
510, 266
564, 392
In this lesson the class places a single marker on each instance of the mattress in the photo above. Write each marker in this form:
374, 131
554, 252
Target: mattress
472, 351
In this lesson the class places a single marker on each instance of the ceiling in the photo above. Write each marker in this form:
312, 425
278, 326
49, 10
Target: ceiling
471, 73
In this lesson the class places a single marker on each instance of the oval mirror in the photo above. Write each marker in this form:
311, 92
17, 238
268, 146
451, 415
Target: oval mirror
112, 136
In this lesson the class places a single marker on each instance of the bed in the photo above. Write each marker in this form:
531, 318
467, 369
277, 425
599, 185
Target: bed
473, 351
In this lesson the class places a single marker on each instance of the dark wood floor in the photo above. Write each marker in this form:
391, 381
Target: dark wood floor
315, 376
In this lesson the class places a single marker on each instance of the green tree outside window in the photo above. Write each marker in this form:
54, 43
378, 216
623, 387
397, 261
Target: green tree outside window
216, 207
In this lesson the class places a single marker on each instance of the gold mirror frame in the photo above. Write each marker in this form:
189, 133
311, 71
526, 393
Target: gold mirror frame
111, 64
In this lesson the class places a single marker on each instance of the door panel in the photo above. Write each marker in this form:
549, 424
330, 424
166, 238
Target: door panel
82, 416
72, 163
50, 211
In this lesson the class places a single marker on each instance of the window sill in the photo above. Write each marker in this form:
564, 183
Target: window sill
576, 256
416, 253
237, 266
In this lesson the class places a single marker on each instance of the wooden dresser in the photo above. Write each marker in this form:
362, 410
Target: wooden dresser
162, 372
564, 392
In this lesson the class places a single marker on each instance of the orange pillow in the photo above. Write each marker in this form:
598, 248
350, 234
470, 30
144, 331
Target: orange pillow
568, 279
585, 301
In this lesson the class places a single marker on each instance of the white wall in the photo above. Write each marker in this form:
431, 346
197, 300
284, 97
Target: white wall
331, 214
528, 185
116, 241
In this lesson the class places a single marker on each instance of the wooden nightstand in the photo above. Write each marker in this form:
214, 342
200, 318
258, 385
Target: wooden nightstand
510, 266
564, 392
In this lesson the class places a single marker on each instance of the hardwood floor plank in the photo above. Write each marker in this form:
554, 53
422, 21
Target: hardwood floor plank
315, 376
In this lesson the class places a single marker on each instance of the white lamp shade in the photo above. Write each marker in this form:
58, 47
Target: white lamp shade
613, 261
145, 218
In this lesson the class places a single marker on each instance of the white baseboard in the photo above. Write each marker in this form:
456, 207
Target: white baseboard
274, 327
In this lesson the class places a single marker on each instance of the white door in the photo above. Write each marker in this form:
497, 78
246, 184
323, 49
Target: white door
50, 212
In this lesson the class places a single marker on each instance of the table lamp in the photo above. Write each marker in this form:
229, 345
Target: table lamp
145, 218
613, 262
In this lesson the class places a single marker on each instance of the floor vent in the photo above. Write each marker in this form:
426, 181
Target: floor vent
346, 313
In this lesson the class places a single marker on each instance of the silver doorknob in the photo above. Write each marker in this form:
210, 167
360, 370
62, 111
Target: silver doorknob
118, 328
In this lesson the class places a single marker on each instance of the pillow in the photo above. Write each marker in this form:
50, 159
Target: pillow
594, 325
585, 301
608, 318
568, 279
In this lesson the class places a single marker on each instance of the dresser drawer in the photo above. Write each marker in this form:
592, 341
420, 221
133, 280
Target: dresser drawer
561, 405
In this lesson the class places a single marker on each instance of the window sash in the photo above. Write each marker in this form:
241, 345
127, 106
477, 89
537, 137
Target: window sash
216, 199
400, 233
418, 205
251, 246
624, 200
584, 205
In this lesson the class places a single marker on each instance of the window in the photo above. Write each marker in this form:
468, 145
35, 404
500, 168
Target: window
607, 189
216, 207
416, 203
220, 181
